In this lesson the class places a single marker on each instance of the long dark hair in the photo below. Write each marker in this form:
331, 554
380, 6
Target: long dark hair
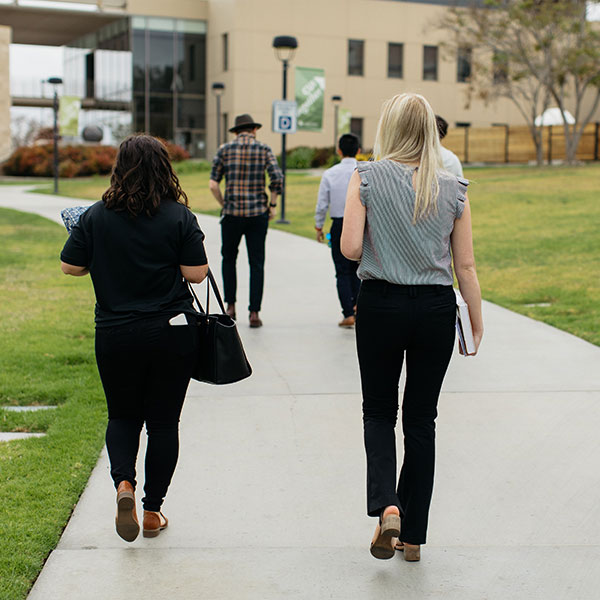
142, 177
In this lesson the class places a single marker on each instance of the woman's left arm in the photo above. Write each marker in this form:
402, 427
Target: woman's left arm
68, 269
355, 216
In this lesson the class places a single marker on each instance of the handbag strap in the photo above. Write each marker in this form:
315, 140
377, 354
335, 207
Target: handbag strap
215, 288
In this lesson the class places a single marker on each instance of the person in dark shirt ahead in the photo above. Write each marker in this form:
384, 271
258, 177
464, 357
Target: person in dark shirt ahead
138, 244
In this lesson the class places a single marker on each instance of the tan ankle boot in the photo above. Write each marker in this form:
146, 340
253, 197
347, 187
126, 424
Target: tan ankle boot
154, 523
126, 521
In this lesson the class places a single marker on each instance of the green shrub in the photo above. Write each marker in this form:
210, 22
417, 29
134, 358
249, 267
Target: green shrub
300, 158
193, 166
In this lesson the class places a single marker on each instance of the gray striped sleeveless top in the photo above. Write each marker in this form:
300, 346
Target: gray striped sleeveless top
394, 249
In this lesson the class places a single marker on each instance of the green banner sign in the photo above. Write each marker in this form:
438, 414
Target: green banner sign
68, 115
344, 117
310, 94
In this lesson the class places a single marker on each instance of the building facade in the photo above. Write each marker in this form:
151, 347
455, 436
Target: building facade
149, 65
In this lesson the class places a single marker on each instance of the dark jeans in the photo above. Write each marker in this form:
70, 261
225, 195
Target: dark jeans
145, 369
255, 231
391, 321
347, 282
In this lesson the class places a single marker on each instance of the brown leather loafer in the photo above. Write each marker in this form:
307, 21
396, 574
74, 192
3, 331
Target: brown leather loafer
347, 322
255, 320
126, 521
154, 523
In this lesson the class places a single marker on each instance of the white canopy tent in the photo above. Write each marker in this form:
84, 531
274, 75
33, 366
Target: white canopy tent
553, 116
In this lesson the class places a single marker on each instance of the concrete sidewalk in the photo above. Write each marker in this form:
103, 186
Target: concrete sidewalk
268, 501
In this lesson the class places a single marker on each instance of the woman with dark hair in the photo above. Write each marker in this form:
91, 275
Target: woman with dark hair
140, 244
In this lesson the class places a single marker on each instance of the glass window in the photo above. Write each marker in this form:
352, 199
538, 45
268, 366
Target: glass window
430, 63
395, 60
463, 72
191, 113
225, 45
89, 76
160, 61
500, 67
161, 116
191, 61
356, 127
355, 57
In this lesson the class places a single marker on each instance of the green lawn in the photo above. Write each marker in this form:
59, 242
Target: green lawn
535, 230
536, 238
46, 358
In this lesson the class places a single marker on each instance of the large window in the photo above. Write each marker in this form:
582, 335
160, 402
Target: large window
169, 80
395, 60
356, 127
356, 50
463, 65
430, 63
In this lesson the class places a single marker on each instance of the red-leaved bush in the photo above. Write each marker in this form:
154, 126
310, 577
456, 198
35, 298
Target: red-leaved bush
74, 161
38, 161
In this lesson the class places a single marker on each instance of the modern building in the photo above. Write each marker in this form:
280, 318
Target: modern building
152, 63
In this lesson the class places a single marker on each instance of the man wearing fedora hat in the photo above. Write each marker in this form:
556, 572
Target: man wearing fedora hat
246, 207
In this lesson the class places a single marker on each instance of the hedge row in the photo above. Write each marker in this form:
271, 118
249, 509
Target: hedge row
73, 161
304, 157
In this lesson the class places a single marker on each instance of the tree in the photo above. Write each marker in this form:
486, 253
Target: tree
531, 52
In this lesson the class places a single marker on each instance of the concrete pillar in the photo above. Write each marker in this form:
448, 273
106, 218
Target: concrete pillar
5, 36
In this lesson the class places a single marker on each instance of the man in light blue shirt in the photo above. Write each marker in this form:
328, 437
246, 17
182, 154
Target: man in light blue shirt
332, 197
450, 161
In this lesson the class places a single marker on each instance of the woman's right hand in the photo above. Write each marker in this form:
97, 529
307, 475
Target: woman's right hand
477, 339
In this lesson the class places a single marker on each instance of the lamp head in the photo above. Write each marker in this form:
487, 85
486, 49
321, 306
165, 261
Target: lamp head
336, 99
55, 80
218, 88
285, 47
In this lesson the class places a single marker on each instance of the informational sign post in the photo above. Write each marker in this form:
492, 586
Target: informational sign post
285, 116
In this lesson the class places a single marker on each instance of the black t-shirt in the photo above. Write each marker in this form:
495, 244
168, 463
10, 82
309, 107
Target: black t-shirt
134, 261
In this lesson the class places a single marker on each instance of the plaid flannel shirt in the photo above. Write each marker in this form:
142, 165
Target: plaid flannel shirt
243, 163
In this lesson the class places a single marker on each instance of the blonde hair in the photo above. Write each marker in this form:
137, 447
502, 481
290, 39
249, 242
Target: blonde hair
407, 132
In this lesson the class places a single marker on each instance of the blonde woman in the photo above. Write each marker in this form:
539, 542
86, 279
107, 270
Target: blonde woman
407, 221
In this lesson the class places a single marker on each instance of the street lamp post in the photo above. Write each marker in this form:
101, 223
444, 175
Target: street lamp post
218, 89
336, 105
285, 47
55, 81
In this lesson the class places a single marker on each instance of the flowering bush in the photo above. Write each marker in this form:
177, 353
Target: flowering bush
38, 161
176, 153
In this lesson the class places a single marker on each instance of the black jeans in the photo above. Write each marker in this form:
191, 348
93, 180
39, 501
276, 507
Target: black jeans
393, 320
347, 281
145, 369
255, 231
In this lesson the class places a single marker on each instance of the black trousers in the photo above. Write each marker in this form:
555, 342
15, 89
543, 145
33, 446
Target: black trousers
394, 321
347, 281
255, 231
145, 368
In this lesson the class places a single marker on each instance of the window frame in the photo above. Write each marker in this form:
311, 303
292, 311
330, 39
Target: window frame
360, 67
437, 61
392, 45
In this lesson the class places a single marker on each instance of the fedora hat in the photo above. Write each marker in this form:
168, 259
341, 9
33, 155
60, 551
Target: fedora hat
244, 121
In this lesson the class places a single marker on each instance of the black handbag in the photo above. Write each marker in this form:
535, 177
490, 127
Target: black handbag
221, 358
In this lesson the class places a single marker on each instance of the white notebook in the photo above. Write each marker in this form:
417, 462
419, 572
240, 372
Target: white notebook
463, 325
